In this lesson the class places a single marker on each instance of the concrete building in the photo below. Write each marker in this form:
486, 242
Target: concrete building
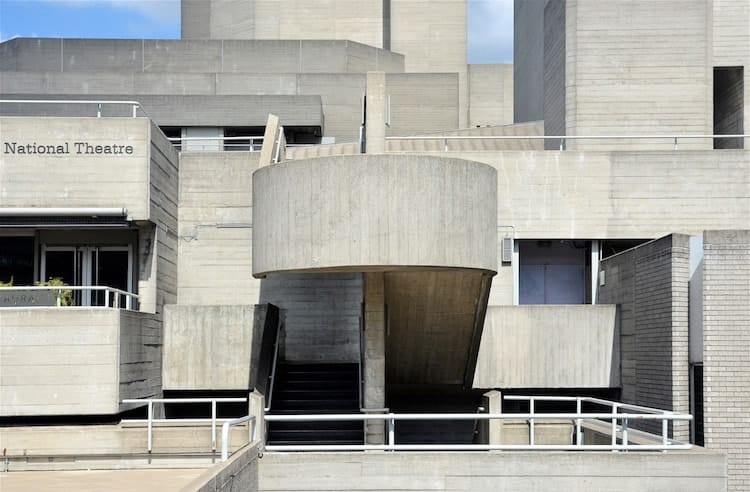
322, 206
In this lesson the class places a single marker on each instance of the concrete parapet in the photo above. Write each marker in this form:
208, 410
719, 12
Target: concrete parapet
549, 347
208, 347
240, 472
76, 361
690, 471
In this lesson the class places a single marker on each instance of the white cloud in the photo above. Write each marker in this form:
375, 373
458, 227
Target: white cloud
490, 31
162, 11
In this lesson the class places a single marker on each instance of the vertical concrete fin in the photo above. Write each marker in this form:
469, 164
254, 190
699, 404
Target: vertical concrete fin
268, 151
375, 113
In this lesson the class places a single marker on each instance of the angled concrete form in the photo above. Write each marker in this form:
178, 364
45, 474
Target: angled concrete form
549, 347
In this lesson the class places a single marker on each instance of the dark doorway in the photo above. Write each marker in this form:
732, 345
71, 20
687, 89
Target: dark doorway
729, 107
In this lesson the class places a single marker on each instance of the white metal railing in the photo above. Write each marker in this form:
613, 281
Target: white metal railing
113, 298
135, 105
245, 143
225, 433
617, 414
564, 138
150, 420
615, 408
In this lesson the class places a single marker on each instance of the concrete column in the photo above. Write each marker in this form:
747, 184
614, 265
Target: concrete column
269, 140
493, 402
374, 348
375, 117
256, 403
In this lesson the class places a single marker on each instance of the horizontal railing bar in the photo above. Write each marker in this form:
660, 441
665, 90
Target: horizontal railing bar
174, 421
69, 101
480, 447
588, 399
641, 408
541, 398
70, 287
473, 416
561, 137
180, 139
184, 400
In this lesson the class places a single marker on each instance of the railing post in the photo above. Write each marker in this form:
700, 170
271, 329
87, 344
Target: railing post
625, 433
150, 424
579, 434
445, 144
213, 425
562, 144
531, 423
391, 431
99, 110
665, 432
675, 142
135, 110
614, 425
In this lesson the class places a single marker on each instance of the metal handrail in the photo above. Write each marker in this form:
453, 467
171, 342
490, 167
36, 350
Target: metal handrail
391, 418
249, 141
98, 102
274, 363
564, 138
614, 406
150, 419
251, 431
116, 293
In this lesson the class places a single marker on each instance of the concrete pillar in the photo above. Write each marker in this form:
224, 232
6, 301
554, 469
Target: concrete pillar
375, 117
269, 140
492, 401
256, 406
374, 349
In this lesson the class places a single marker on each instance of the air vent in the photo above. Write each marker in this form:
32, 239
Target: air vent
506, 252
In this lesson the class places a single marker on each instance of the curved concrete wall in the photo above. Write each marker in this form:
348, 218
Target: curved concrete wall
371, 212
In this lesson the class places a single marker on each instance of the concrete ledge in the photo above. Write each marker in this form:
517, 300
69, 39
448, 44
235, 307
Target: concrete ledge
690, 471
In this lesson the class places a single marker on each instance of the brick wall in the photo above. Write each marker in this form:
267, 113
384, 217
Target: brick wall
726, 352
650, 283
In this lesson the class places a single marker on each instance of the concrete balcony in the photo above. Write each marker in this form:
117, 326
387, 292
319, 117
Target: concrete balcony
76, 360
87, 163
426, 225
546, 346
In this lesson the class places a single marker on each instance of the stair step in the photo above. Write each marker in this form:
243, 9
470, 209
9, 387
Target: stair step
301, 389
312, 394
351, 425
314, 435
332, 405
318, 384
319, 443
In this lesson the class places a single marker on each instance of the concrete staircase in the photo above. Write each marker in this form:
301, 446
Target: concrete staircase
315, 389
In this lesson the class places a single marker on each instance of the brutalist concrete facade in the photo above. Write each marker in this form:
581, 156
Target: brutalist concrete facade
408, 243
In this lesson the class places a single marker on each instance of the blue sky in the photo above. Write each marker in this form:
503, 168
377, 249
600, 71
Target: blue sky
490, 22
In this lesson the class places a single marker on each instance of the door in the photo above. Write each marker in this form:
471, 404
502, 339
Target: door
85, 266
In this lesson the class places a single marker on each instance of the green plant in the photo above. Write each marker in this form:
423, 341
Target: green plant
65, 296
9, 283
